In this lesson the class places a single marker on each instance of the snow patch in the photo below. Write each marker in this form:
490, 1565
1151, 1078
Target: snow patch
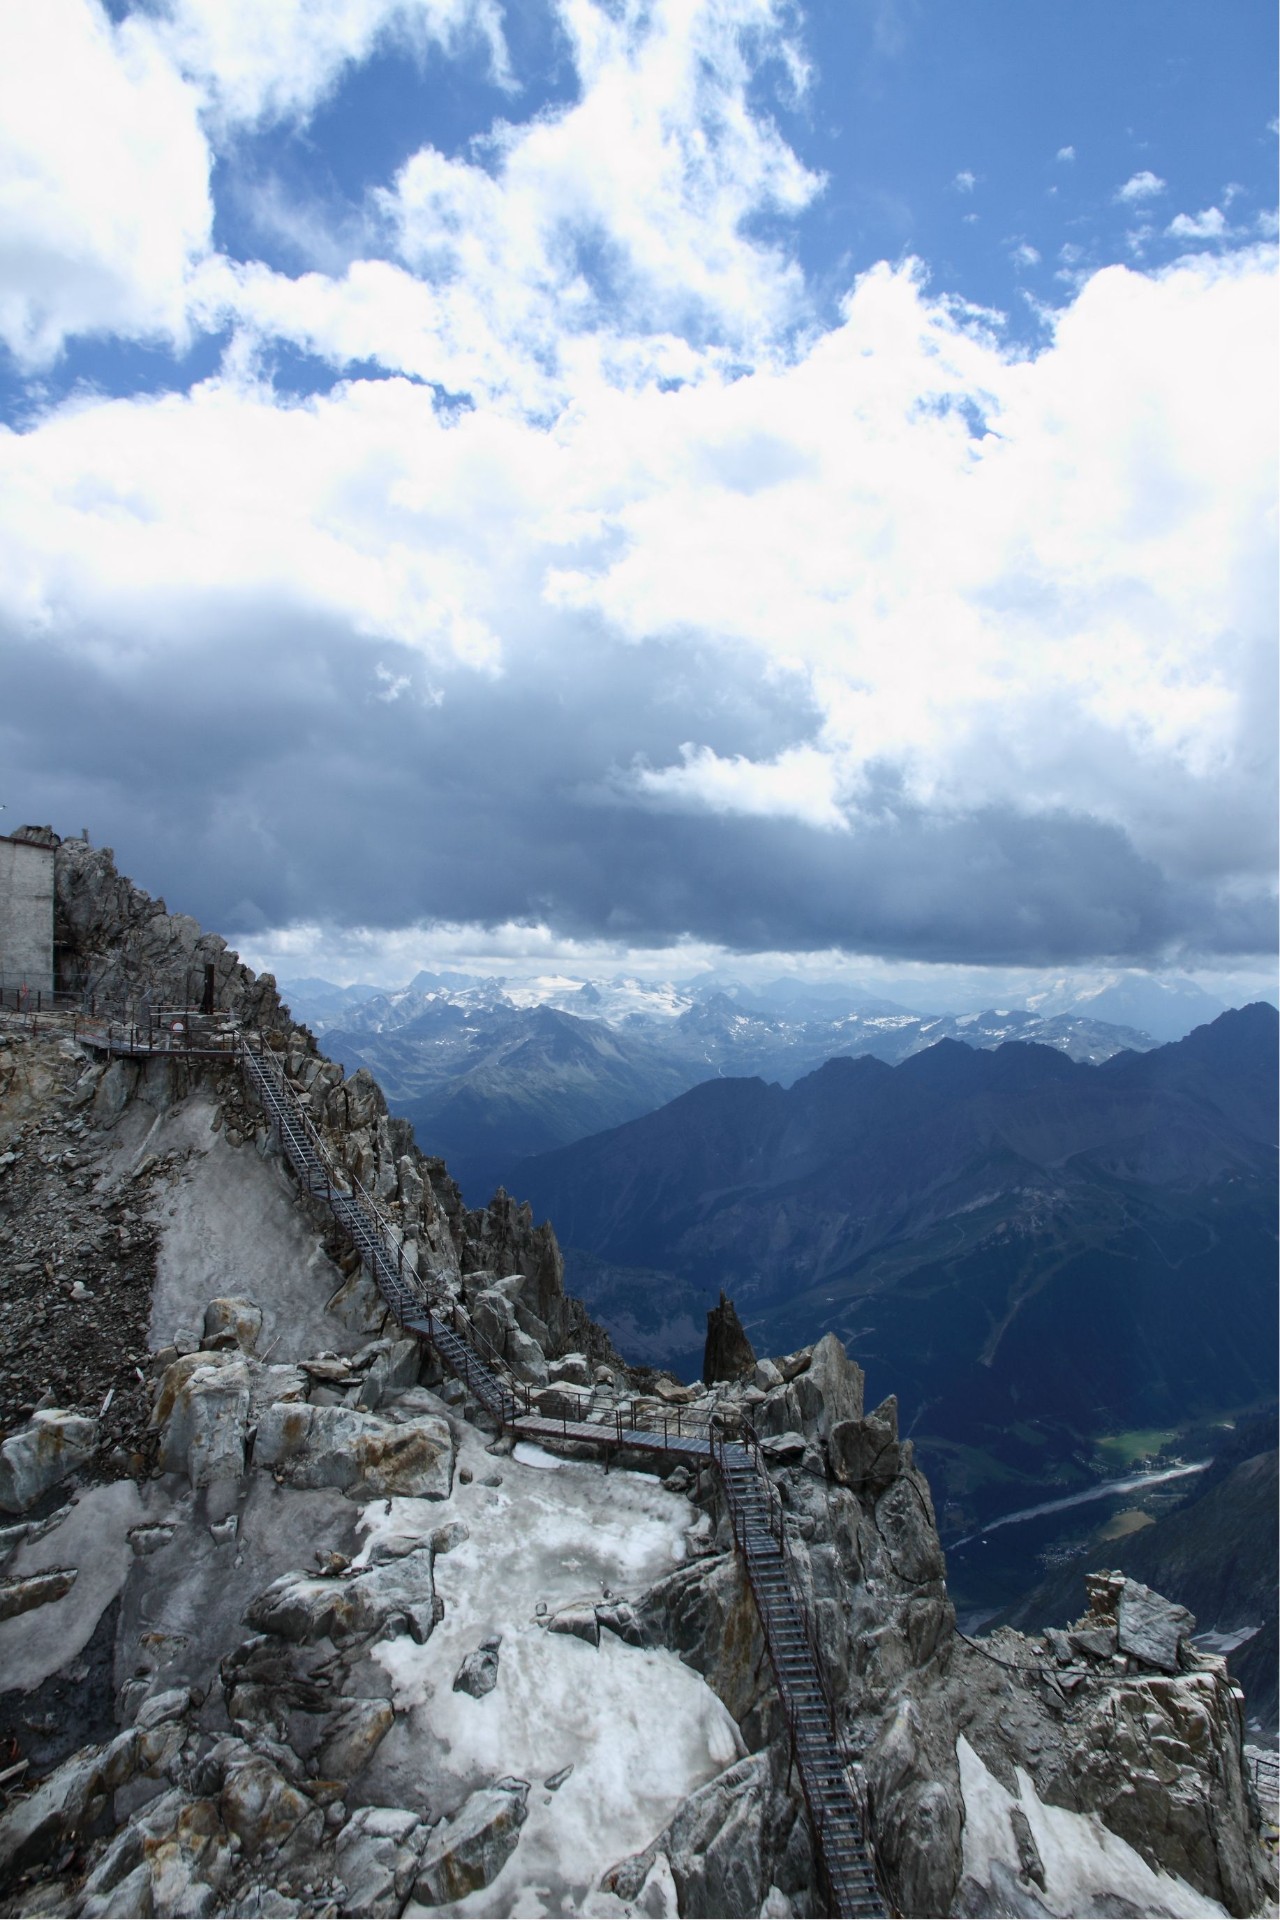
640, 1729
1083, 1861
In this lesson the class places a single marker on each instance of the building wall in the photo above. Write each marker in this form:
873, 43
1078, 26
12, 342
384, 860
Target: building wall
26, 915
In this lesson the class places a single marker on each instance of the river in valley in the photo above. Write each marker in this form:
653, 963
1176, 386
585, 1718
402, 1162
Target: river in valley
990, 1570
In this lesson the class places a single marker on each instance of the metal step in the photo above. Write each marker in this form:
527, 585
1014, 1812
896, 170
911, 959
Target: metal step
754, 1509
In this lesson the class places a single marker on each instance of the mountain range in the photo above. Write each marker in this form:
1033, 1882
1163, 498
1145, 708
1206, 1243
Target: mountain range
1030, 1250
490, 1072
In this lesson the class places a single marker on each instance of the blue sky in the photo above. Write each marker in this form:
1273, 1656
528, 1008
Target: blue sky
614, 477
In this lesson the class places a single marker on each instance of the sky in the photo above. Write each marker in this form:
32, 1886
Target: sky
649, 484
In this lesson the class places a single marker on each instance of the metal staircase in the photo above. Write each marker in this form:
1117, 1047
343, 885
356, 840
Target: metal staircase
817, 1750
755, 1508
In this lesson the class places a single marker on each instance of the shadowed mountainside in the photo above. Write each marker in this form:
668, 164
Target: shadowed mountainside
1030, 1250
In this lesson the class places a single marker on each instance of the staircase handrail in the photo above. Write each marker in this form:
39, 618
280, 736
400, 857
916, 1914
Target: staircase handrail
511, 1394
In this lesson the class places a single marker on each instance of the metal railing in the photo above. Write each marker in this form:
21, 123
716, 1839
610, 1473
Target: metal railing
819, 1749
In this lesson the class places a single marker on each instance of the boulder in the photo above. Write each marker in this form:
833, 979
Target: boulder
829, 1389
478, 1673
20, 1595
526, 1358
395, 1596
1152, 1628
232, 1322
51, 1446
582, 1622
352, 1737
493, 1317
204, 1417
71, 1797
728, 1354
264, 1811
377, 1856
393, 1370
864, 1454
469, 1852
188, 1855
711, 1848
364, 1456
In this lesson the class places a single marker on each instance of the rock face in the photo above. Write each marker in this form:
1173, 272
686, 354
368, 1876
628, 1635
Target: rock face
41, 1454
238, 1712
729, 1354
365, 1456
469, 1851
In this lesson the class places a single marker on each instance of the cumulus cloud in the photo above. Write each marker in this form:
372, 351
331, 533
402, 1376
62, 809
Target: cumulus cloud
104, 184
634, 604
1066, 153
965, 182
1139, 187
256, 63
1209, 225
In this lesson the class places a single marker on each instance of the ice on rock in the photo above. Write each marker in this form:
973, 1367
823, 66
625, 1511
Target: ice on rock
563, 1710
1083, 1863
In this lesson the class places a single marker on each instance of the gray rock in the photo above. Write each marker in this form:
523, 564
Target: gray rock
394, 1596
729, 1354
1151, 1628
264, 1811
393, 1370
784, 1449
1030, 1865
582, 1622
35, 1590
830, 1388
571, 1369
203, 1416
713, 1846
377, 1854
1098, 1643
478, 1673
620, 1617
366, 1457
232, 1322
162, 1707
70, 1797
469, 1852
352, 1737
40, 1455
526, 1359
865, 1454
130, 1899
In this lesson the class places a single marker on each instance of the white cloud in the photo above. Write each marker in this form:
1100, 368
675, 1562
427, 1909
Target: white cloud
965, 182
1139, 187
1025, 255
801, 784
879, 571
1066, 153
256, 63
104, 198
1209, 225
641, 188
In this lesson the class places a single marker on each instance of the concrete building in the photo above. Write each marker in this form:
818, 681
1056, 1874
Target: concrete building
26, 909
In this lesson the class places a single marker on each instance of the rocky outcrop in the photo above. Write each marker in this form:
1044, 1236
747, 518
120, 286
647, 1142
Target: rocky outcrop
469, 1851
250, 1755
40, 1455
728, 1355
118, 945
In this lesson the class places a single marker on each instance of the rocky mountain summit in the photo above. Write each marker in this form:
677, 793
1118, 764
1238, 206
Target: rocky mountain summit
288, 1626
495, 1072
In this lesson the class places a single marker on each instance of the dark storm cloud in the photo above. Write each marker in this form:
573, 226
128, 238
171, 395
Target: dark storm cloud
262, 781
